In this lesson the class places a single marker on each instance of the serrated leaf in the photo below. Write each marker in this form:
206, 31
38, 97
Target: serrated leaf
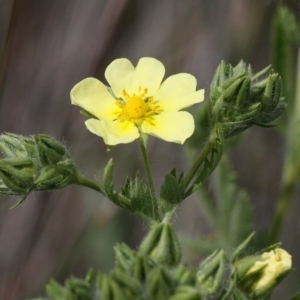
171, 193
233, 206
141, 200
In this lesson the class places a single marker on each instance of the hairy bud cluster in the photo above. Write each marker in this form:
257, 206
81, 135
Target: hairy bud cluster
38, 162
240, 99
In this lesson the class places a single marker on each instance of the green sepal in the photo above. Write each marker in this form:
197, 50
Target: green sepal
229, 289
241, 247
87, 114
160, 284
184, 276
270, 248
130, 286
162, 245
50, 150
211, 273
124, 257
11, 145
17, 174
56, 176
186, 292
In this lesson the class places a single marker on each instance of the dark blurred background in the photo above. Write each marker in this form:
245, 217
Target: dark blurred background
46, 47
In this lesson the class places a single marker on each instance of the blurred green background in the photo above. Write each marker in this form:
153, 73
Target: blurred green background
46, 47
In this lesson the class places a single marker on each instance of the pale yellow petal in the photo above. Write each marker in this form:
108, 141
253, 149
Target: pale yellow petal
119, 75
170, 126
178, 92
148, 74
92, 95
115, 132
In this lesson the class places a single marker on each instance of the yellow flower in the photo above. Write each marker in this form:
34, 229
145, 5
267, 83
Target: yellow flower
274, 263
138, 102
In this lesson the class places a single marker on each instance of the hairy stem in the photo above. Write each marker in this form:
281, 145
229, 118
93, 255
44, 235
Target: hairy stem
150, 180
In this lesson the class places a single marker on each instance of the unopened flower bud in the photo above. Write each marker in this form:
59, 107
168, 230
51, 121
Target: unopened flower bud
11, 145
184, 275
50, 150
240, 99
258, 275
210, 275
57, 176
17, 174
162, 245
160, 283
186, 292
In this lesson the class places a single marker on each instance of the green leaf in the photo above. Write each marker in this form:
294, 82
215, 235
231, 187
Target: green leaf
233, 206
171, 193
141, 202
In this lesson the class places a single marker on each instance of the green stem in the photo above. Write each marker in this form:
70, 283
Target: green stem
297, 92
289, 185
94, 186
292, 166
197, 164
88, 183
150, 180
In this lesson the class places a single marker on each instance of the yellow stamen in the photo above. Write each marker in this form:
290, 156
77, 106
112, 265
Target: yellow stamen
137, 107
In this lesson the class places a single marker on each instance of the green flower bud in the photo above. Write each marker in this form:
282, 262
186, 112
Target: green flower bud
160, 284
11, 145
258, 275
186, 292
50, 150
106, 287
17, 174
211, 273
141, 267
124, 257
239, 99
131, 288
184, 276
57, 176
162, 245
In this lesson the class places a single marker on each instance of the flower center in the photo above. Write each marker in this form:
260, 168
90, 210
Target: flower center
135, 108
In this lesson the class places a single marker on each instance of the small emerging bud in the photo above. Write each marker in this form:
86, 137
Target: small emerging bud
211, 272
258, 275
162, 245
